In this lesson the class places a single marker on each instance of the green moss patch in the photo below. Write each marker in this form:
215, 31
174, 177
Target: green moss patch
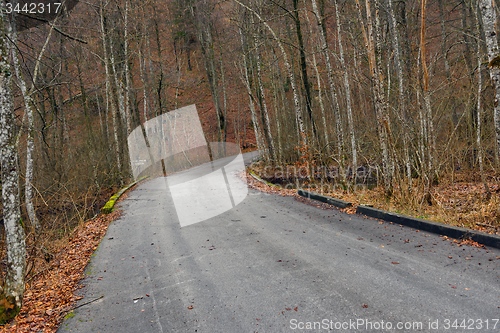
108, 207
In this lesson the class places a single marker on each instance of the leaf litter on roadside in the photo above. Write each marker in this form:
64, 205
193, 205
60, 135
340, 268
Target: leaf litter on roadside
50, 295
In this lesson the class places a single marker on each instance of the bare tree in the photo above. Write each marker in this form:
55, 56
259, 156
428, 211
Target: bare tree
110, 96
262, 98
291, 75
402, 85
331, 80
489, 15
347, 87
373, 41
479, 110
13, 289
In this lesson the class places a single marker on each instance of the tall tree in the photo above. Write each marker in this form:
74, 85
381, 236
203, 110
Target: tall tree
373, 41
303, 66
479, 108
347, 87
489, 15
110, 95
13, 287
318, 12
402, 85
201, 11
428, 143
291, 75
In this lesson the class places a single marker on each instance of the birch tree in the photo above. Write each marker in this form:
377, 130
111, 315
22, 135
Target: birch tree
479, 108
428, 145
110, 97
489, 15
303, 66
331, 79
13, 287
402, 85
373, 40
347, 87
248, 86
29, 106
291, 75
263, 103
201, 12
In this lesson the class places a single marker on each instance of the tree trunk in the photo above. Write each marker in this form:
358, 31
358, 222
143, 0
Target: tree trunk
128, 85
248, 86
29, 106
373, 40
480, 154
331, 81
205, 31
303, 67
428, 124
489, 16
13, 289
262, 101
347, 87
444, 51
320, 90
109, 91
291, 76
402, 85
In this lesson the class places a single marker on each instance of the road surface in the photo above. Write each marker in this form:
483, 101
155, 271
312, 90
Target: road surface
274, 264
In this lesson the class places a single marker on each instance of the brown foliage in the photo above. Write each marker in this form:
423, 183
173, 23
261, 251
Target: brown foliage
50, 294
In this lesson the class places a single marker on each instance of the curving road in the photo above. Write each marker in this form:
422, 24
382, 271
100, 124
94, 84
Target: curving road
274, 264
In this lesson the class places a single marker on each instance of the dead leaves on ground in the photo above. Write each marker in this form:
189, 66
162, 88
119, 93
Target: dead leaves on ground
51, 294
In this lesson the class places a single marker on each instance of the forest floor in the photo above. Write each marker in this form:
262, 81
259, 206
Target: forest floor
51, 290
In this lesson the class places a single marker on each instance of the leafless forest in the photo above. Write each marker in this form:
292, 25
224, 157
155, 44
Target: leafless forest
407, 89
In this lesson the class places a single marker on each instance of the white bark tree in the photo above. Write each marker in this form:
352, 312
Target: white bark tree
402, 85
291, 76
479, 110
246, 82
262, 99
489, 16
29, 107
320, 87
331, 80
13, 287
373, 40
347, 87
110, 97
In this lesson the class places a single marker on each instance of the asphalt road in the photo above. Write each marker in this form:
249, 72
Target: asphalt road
274, 264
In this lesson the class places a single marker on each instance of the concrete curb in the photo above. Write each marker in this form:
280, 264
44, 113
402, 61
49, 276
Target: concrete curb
254, 175
108, 207
434, 227
329, 200
412, 222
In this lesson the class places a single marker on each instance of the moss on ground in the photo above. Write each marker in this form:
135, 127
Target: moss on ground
8, 309
108, 207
